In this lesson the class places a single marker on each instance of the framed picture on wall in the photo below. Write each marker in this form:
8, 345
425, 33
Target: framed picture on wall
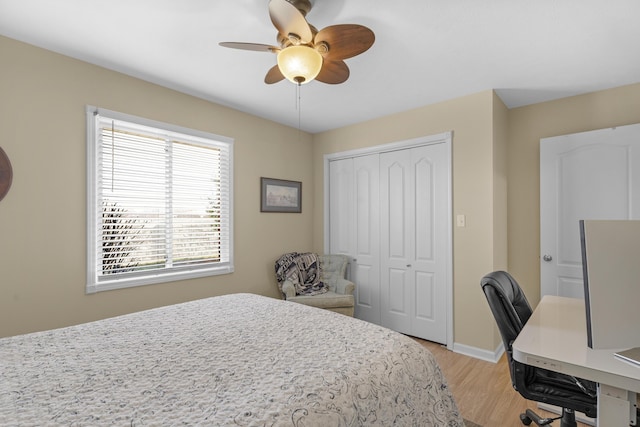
279, 195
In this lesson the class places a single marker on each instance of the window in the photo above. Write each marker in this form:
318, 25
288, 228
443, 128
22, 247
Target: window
159, 202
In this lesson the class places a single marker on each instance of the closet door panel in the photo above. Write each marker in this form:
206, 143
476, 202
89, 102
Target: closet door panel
341, 207
424, 205
396, 236
430, 216
396, 222
366, 294
413, 231
396, 314
366, 253
425, 293
423, 263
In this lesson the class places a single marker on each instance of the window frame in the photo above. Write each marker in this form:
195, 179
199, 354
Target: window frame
95, 282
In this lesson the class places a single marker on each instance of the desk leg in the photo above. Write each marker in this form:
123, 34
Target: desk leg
616, 407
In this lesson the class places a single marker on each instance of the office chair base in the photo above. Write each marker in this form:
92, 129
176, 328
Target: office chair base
567, 419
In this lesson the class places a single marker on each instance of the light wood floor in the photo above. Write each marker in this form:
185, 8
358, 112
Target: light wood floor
482, 389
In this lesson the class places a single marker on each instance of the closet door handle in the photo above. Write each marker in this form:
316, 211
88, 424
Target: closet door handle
408, 265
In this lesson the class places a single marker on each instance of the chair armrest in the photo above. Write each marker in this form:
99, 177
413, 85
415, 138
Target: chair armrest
344, 286
288, 289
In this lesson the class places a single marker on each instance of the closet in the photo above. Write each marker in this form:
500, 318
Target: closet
389, 209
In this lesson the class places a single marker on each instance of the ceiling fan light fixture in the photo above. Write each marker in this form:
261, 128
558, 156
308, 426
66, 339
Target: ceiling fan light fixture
299, 64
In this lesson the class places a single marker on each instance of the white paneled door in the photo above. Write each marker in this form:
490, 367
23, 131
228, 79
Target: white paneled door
390, 211
355, 226
588, 175
414, 238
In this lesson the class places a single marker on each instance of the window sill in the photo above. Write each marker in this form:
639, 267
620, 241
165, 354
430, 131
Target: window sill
161, 277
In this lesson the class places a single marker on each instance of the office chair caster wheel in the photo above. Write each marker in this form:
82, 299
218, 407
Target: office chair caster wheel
525, 419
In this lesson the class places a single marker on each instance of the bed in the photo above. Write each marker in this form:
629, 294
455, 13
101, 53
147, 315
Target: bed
233, 360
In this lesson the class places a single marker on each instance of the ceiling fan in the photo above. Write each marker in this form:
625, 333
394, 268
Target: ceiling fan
305, 53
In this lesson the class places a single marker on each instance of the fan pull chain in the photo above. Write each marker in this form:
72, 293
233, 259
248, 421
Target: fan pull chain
299, 107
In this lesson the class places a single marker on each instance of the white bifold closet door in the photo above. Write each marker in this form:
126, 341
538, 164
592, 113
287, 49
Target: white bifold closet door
390, 212
355, 227
413, 225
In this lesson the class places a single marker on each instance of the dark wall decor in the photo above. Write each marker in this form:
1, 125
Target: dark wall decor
279, 195
6, 174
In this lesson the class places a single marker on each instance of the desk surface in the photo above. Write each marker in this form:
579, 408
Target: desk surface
555, 338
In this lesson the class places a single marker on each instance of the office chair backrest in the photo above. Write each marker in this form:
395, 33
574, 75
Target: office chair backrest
508, 304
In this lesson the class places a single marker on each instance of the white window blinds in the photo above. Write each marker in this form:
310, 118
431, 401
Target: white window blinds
160, 208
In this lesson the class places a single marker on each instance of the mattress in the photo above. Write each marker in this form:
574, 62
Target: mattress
233, 360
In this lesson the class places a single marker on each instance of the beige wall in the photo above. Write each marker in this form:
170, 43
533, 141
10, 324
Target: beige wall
475, 251
495, 182
500, 201
500, 169
527, 125
42, 220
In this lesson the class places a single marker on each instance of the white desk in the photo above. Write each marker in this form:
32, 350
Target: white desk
555, 338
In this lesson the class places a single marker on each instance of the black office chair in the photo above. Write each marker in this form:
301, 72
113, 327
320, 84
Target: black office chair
511, 310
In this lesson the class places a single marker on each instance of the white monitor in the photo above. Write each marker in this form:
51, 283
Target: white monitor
611, 269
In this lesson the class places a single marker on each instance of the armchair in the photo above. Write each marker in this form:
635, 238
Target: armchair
511, 310
335, 292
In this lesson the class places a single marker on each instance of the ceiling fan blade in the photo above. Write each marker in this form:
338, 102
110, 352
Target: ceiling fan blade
250, 46
333, 72
289, 20
273, 75
345, 40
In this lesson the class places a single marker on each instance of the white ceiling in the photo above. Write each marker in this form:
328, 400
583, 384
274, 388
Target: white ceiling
426, 51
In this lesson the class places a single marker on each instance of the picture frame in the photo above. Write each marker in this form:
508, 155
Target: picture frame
280, 195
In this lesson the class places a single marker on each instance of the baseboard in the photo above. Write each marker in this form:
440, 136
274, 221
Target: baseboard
479, 353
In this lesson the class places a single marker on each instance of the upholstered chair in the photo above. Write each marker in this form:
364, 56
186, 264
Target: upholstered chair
338, 298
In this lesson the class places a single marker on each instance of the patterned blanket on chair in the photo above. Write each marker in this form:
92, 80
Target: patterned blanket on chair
303, 270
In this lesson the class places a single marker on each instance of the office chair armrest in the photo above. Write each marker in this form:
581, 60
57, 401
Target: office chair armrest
344, 286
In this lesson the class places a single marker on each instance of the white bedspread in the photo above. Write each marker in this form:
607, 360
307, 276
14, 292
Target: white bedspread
235, 360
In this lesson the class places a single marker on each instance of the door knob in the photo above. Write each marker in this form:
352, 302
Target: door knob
547, 258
